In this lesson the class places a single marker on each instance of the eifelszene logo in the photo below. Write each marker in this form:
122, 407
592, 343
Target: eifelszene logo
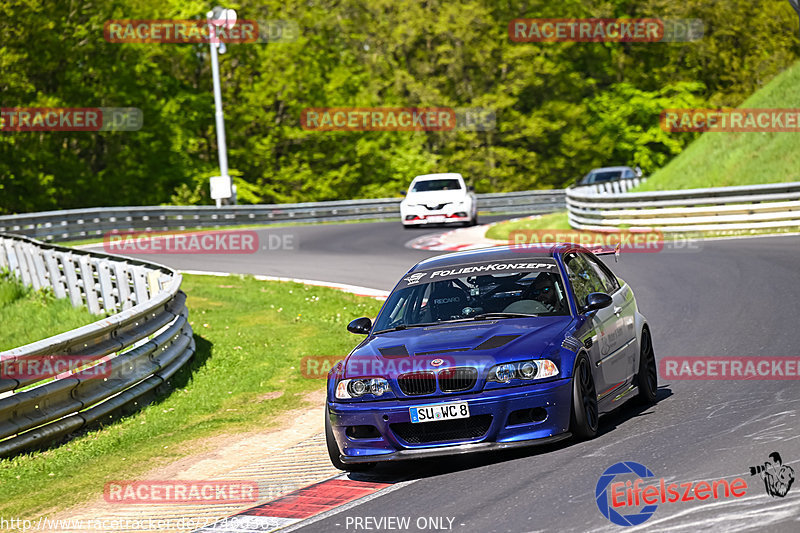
614, 497
778, 477
607, 507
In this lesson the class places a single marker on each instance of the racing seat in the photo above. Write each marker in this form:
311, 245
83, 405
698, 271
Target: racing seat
447, 301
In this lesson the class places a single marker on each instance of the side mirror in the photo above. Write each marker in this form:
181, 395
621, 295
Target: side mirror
402, 193
597, 300
471, 188
361, 325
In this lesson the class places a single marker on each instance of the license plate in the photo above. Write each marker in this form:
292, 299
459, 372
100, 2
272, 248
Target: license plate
436, 218
442, 411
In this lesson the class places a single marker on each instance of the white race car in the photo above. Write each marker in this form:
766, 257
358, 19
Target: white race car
438, 199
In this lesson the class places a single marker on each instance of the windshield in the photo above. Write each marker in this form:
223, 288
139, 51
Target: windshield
458, 294
600, 177
436, 185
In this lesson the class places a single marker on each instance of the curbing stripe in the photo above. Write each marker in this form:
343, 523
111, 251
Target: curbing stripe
348, 506
317, 500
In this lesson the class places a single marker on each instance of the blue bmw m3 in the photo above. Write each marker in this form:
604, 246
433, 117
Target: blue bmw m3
489, 349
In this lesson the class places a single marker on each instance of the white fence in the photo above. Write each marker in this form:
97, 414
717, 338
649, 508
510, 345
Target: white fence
118, 359
610, 187
771, 206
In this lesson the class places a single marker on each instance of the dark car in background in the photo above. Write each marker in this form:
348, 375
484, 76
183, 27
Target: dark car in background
608, 174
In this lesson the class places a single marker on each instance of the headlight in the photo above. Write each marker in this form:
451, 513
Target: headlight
355, 388
527, 370
524, 370
502, 373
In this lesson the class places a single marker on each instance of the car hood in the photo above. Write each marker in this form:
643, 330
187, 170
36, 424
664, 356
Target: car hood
435, 197
482, 344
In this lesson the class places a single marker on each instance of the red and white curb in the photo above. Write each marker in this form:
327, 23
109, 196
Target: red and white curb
314, 502
352, 289
457, 240
436, 243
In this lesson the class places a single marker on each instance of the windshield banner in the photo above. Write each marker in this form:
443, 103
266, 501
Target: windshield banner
485, 268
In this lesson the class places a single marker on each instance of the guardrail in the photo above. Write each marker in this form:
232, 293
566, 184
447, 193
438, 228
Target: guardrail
121, 358
88, 223
771, 206
610, 187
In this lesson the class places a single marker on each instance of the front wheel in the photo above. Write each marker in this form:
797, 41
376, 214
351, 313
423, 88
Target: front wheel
647, 376
334, 453
585, 415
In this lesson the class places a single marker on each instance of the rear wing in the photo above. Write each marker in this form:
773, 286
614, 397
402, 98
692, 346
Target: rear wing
605, 250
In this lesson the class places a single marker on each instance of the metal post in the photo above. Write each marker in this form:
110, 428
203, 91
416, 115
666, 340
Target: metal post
223, 154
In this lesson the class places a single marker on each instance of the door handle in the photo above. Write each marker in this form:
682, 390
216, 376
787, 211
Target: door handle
617, 310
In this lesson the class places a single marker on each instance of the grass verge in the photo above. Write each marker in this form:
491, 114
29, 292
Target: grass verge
27, 316
502, 230
251, 336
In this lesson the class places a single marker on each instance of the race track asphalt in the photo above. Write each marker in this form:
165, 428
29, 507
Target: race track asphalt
735, 297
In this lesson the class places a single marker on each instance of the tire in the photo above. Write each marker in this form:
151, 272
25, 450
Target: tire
585, 415
334, 453
647, 375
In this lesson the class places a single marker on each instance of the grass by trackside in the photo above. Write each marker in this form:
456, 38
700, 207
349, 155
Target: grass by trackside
501, 231
719, 159
27, 316
251, 336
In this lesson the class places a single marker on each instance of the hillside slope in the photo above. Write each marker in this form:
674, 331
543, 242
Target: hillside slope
720, 159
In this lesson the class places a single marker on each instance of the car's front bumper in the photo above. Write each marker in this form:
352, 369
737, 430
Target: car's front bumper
554, 397
435, 219
416, 215
457, 449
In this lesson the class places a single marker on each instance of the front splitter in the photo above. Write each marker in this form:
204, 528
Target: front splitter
460, 449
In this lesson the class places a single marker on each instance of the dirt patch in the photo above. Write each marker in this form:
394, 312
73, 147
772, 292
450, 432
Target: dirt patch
272, 396
222, 454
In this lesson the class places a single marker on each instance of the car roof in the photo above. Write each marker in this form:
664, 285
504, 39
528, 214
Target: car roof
426, 177
607, 169
498, 253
